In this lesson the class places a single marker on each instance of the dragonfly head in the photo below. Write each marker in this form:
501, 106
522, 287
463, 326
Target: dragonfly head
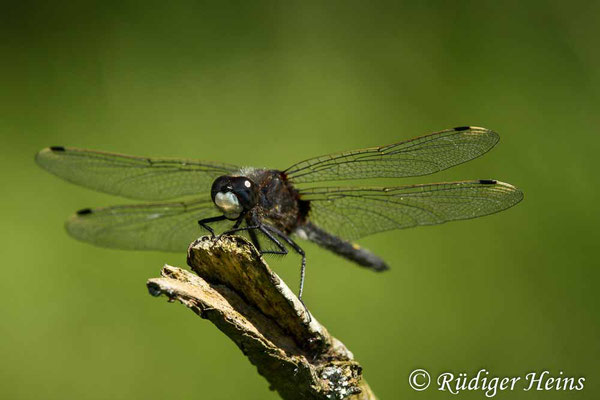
234, 195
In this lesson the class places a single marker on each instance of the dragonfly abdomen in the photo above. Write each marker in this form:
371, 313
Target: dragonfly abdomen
348, 250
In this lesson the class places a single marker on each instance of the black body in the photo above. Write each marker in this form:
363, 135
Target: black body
348, 250
273, 201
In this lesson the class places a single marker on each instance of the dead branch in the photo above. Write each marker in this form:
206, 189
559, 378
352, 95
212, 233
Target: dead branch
237, 291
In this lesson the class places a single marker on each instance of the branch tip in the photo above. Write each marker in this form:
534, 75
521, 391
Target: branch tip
237, 291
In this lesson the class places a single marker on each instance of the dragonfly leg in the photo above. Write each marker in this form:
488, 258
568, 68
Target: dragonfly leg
282, 250
265, 229
238, 222
252, 232
203, 223
234, 229
254, 239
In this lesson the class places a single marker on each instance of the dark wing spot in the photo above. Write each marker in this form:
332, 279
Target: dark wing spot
57, 148
488, 181
462, 128
85, 211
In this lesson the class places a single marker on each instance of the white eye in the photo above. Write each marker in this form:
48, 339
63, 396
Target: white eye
247, 184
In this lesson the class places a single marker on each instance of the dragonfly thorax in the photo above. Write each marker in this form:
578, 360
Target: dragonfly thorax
234, 195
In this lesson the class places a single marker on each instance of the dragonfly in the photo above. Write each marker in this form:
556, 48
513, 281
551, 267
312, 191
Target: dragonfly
275, 207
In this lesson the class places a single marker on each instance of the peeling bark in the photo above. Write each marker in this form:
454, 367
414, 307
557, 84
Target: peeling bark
237, 291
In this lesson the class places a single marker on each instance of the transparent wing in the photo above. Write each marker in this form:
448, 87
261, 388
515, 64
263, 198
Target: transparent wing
352, 213
129, 176
158, 226
420, 156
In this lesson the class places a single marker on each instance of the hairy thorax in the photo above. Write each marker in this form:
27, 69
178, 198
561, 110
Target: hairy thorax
278, 203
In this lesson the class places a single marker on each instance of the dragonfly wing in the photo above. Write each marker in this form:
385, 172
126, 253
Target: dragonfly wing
154, 226
352, 213
129, 176
415, 157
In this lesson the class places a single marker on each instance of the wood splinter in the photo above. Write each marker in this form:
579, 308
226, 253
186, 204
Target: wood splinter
237, 291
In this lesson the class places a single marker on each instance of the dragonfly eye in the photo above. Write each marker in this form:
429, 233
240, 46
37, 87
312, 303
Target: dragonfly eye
245, 190
221, 185
234, 194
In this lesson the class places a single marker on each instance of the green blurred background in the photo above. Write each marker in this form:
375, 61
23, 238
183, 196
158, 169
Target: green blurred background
269, 84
